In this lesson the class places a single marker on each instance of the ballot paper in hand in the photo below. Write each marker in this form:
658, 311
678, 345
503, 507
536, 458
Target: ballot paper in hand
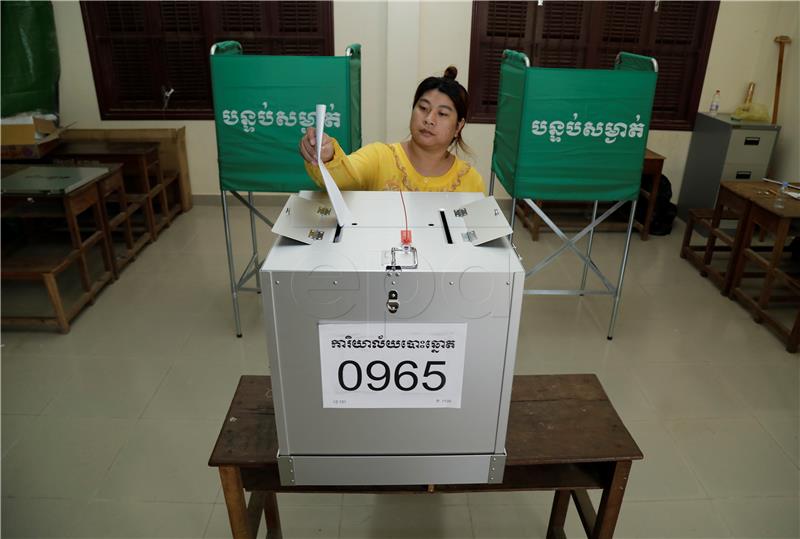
343, 215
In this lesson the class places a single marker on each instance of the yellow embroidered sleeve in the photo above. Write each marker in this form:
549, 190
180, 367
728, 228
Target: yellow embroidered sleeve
355, 172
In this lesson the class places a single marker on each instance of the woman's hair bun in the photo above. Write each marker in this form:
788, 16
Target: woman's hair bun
451, 72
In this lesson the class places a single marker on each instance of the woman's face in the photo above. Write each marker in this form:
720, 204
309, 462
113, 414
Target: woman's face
434, 121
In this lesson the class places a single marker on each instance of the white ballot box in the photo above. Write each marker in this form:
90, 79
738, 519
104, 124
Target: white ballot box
392, 364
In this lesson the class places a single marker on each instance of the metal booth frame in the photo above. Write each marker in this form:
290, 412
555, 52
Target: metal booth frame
244, 136
623, 62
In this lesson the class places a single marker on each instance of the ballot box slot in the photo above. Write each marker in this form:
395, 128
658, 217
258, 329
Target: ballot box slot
445, 227
338, 234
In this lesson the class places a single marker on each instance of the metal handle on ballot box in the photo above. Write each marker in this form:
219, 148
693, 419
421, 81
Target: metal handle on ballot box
405, 249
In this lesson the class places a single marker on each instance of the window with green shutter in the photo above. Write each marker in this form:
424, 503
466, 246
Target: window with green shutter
589, 35
150, 59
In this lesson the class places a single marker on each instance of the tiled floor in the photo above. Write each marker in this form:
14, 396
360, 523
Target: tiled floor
106, 431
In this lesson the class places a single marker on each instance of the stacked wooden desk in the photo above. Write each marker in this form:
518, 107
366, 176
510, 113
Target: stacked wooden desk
58, 193
752, 204
146, 181
563, 435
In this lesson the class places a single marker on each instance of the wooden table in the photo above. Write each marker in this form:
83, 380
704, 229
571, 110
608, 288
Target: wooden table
652, 167
563, 435
141, 166
734, 202
778, 222
60, 193
752, 204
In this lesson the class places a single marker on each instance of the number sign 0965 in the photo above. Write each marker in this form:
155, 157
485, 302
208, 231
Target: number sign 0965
420, 366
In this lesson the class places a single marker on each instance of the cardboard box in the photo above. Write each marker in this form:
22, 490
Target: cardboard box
28, 136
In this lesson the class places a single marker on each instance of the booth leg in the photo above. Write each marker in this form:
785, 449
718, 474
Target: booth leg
491, 184
231, 269
589, 249
255, 241
513, 216
618, 292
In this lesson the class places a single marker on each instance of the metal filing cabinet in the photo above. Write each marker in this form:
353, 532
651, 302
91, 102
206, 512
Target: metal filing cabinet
723, 149
390, 365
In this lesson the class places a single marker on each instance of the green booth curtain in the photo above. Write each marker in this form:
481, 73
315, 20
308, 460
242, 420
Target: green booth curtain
263, 105
30, 64
573, 134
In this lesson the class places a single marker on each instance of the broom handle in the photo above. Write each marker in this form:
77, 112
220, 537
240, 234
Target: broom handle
778, 85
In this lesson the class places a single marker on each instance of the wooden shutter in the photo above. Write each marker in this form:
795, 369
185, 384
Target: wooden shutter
299, 28
562, 34
498, 26
123, 50
590, 35
622, 26
681, 45
290, 28
139, 50
185, 55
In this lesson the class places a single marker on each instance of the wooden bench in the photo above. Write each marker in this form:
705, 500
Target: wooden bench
563, 435
43, 260
701, 255
779, 283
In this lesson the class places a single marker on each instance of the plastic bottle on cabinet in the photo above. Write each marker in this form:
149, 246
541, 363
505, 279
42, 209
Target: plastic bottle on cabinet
780, 198
714, 108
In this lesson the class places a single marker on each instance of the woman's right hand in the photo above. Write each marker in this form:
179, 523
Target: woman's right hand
308, 147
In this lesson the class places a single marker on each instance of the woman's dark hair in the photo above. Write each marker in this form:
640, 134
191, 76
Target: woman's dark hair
448, 85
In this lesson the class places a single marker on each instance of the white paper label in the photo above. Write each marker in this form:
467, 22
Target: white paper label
392, 365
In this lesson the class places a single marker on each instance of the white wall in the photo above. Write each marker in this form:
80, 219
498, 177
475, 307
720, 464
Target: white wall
406, 41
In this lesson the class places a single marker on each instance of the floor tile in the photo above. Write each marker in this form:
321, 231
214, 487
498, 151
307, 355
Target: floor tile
9, 340
63, 457
405, 520
30, 383
40, 518
144, 330
761, 517
165, 461
199, 388
297, 522
784, 429
681, 390
15, 427
109, 387
695, 519
76, 343
510, 498
509, 521
768, 386
142, 520
663, 474
734, 458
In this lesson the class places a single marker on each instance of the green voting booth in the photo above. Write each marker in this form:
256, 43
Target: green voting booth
574, 135
262, 107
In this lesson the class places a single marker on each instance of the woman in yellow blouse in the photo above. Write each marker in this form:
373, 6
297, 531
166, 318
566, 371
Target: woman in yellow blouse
425, 162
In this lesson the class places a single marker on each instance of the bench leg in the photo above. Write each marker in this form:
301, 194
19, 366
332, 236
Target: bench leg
272, 516
558, 515
55, 299
611, 502
233, 490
